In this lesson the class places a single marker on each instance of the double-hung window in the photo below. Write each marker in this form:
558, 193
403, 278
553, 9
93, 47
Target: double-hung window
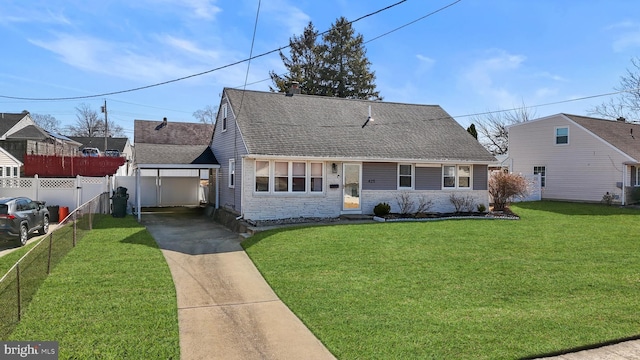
562, 135
543, 174
289, 176
262, 176
456, 176
232, 173
224, 117
405, 176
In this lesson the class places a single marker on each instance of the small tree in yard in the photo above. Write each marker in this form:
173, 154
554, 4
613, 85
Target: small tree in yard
503, 187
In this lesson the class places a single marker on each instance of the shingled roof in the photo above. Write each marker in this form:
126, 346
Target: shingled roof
623, 135
173, 154
318, 126
117, 143
174, 133
7, 121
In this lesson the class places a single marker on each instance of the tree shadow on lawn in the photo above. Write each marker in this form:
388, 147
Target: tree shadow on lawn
575, 208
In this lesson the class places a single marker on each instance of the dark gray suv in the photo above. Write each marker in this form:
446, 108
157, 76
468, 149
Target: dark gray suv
21, 216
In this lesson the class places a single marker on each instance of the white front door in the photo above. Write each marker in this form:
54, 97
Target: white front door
351, 187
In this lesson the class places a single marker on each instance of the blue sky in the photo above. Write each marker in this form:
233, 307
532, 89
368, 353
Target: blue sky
475, 56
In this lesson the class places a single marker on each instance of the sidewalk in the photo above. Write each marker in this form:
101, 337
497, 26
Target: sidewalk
226, 310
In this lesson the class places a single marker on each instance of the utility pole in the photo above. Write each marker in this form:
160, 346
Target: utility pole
106, 128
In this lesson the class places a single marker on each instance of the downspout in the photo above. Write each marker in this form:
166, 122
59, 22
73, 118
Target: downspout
217, 189
138, 192
624, 177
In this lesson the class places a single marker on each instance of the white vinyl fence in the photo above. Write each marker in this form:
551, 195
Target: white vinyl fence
68, 192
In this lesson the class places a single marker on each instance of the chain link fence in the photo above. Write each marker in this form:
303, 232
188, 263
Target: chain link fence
20, 283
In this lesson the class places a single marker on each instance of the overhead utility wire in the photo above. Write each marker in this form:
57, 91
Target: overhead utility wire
189, 76
379, 36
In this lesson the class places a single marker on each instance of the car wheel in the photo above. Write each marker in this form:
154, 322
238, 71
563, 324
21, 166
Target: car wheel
24, 234
45, 226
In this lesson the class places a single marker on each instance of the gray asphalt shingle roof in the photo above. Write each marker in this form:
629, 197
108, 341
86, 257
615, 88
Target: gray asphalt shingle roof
7, 121
317, 126
117, 143
175, 133
173, 154
624, 136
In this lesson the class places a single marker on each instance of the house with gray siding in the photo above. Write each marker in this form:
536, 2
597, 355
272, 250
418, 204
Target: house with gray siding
578, 158
292, 155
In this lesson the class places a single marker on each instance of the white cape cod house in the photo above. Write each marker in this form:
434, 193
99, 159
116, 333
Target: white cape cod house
291, 155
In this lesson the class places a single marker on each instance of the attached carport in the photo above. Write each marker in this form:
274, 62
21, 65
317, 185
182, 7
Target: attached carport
166, 173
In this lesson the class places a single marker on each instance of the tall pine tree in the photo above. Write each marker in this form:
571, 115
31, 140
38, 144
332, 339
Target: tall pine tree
304, 64
336, 67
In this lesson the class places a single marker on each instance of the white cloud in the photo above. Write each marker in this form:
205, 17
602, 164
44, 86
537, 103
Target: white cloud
628, 36
288, 16
114, 59
203, 9
186, 46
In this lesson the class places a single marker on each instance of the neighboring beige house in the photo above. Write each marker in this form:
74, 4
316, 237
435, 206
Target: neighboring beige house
578, 158
9, 165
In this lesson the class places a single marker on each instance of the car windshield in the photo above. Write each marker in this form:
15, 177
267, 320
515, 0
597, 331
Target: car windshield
4, 209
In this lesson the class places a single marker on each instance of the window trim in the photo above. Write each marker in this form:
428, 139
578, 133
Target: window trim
543, 174
555, 131
224, 117
456, 177
308, 178
232, 173
411, 176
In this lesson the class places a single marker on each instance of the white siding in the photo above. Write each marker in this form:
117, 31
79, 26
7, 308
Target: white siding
582, 170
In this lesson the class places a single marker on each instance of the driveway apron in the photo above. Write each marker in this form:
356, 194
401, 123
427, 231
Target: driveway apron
226, 310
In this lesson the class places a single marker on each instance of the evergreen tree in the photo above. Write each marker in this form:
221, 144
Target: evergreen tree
304, 64
472, 130
336, 67
347, 71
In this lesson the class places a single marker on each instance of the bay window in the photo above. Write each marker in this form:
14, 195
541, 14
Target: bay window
289, 176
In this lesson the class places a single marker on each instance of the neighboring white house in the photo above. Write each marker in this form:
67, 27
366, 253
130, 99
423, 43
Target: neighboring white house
292, 155
578, 158
9, 165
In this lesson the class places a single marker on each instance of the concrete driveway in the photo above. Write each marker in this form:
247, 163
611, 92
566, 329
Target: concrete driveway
226, 310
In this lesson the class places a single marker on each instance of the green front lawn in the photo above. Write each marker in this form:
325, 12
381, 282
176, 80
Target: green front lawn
111, 297
565, 275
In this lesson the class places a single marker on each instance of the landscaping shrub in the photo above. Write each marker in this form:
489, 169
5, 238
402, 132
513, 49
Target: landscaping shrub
382, 209
503, 187
405, 203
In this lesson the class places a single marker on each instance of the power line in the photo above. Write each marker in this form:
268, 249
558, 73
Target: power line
189, 76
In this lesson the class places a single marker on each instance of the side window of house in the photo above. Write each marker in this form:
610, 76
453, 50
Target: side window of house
543, 173
636, 184
405, 176
232, 173
562, 135
1, 171
15, 171
224, 117
262, 176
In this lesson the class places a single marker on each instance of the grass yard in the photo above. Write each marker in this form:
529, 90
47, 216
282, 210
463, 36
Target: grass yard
565, 275
111, 297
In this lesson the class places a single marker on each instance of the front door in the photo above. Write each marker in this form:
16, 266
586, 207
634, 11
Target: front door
351, 187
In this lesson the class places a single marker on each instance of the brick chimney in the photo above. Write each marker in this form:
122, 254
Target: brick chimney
295, 88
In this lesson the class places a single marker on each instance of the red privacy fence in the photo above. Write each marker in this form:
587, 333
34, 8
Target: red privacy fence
70, 166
